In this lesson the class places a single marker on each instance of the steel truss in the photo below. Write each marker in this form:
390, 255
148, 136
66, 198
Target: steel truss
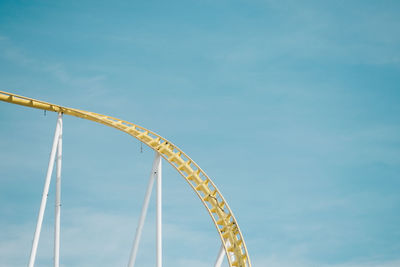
217, 207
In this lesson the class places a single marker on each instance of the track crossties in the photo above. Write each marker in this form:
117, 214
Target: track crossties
198, 180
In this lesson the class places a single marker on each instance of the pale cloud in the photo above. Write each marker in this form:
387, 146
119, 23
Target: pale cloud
192, 263
394, 263
362, 36
90, 85
16, 55
15, 245
280, 262
262, 57
95, 238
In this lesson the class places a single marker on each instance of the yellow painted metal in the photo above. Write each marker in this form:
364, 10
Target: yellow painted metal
202, 185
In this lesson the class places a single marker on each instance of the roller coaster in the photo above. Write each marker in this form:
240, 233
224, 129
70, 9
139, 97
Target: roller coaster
232, 242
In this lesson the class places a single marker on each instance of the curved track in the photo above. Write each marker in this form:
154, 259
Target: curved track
202, 185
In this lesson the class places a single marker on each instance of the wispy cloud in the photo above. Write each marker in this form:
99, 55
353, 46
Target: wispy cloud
90, 85
312, 32
96, 238
280, 262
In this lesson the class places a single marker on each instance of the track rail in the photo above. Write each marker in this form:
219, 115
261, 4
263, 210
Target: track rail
205, 189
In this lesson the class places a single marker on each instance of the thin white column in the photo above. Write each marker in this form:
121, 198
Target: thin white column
159, 215
221, 256
58, 199
231, 254
44, 195
139, 228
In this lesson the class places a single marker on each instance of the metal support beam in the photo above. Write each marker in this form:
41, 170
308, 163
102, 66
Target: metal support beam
222, 253
159, 216
58, 199
38, 229
221, 256
153, 173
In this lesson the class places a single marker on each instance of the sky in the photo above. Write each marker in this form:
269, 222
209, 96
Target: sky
291, 107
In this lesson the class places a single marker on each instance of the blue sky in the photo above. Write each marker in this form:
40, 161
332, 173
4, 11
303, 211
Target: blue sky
292, 108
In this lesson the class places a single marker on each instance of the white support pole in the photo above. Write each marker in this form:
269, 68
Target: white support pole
139, 228
58, 199
159, 215
36, 236
221, 256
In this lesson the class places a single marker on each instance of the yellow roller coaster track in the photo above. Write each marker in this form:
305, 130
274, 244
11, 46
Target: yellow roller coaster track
202, 185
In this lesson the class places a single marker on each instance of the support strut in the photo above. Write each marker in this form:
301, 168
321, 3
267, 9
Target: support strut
155, 172
38, 229
220, 258
159, 216
58, 201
